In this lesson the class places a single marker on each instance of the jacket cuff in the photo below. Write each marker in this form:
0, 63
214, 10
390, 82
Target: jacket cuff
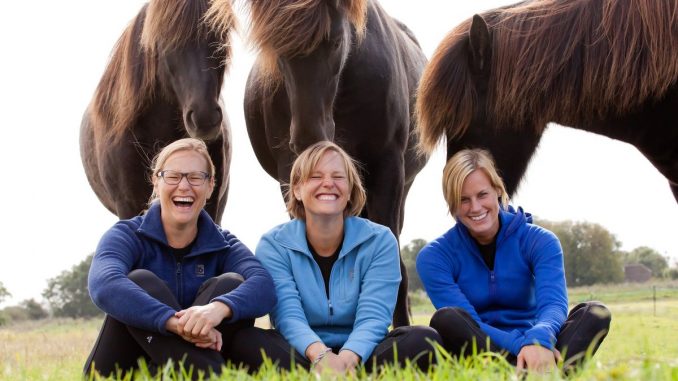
160, 324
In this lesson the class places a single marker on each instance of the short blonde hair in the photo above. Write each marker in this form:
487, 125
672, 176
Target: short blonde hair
186, 144
460, 166
303, 167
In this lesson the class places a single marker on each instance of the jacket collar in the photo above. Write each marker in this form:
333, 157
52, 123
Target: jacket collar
292, 235
209, 237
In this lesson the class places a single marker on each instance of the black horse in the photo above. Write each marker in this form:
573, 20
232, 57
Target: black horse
342, 71
163, 83
608, 67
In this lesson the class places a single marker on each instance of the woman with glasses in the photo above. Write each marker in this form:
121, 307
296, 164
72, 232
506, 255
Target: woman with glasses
336, 276
173, 284
498, 281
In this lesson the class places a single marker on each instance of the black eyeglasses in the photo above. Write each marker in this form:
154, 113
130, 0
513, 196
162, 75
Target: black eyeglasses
174, 177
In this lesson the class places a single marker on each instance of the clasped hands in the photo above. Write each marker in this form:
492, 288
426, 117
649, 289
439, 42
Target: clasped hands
197, 324
535, 358
344, 361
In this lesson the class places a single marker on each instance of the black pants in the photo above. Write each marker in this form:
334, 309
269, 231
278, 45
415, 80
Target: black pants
415, 343
585, 328
120, 346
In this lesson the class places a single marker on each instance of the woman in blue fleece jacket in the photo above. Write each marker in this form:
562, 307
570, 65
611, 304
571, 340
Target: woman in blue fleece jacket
173, 284
336, 277
496, 276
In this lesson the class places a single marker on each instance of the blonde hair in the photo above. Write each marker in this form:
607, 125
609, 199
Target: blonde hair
304, 165
186, 144
460, 166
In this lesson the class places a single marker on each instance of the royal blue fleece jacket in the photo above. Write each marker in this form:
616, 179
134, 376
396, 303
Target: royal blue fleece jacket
363, 286
140, 243
522, 301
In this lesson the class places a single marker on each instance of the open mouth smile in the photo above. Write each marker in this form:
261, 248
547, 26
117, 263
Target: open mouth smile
183, 202
478, 218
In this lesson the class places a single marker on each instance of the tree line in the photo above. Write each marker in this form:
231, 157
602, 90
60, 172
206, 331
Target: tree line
591, 253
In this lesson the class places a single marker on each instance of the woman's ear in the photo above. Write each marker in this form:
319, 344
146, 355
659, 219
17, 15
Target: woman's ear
297, 193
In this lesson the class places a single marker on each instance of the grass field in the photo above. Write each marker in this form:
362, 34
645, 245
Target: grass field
642, 345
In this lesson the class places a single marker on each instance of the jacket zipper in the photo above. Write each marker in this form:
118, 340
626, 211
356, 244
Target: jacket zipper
180, 287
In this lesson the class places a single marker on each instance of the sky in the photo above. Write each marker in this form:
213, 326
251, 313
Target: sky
54, 55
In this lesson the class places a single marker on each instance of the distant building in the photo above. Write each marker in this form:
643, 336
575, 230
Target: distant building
637, 272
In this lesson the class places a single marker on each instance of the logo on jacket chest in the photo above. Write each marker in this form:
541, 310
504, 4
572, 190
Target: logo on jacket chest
200, 270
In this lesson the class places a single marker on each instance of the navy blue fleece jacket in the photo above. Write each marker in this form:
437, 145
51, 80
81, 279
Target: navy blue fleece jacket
140, 243
522, 301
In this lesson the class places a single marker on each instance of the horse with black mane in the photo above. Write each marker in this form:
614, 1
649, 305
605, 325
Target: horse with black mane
608, 67
341, 71
162, 83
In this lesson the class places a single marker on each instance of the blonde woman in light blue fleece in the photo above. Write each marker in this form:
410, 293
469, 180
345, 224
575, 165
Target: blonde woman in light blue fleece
336, 277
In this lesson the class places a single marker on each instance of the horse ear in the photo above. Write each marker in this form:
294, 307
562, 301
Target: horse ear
480, 46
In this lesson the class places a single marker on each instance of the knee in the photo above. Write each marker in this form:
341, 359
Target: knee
597, 313
229, 281
449, 316
143, 278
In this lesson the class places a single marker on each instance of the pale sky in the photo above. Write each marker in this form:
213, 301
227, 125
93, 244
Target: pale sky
55, 52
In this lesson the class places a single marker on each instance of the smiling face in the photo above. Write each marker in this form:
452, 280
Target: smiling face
479, 207
326, 192
181, 203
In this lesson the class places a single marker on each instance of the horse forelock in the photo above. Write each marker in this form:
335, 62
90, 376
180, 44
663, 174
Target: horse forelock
296, 27
446, 98
574, 61
171, 24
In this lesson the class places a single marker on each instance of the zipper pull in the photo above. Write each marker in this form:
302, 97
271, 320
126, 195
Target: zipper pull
331, 308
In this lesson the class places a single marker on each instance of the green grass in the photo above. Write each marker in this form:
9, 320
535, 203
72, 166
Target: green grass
642, 345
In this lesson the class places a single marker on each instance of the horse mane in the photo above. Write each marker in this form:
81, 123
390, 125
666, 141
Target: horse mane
566, 60
296, 27
129, 80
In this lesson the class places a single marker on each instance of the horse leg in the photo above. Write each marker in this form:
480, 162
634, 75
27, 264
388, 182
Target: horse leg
385, 189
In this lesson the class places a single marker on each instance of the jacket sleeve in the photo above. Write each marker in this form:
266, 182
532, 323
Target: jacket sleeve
288, 314
113, 292
436, 268
377, 299
254, 297
546, 259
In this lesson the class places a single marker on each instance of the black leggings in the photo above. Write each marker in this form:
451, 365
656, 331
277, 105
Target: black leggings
120, 346
585, 328
414, 343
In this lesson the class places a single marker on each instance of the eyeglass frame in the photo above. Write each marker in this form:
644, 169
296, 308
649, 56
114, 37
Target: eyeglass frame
206, 176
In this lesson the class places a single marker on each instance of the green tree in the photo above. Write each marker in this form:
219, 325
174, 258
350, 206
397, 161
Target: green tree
4, 294
34, 310
591, 252
409, 255
67, 293
648, 257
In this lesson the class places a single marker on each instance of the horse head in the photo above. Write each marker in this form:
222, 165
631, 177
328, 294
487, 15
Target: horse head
190, 63
457, 100
311, 80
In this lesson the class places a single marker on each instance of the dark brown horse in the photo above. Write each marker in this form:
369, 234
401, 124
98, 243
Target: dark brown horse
608, 67
162, 83
343, 71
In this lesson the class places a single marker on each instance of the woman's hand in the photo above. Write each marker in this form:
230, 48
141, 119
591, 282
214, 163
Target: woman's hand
211, 340
197, 322
536, 358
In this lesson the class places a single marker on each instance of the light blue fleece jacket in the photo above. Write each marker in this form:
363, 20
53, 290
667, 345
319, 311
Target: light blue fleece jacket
362, 289
522, 301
